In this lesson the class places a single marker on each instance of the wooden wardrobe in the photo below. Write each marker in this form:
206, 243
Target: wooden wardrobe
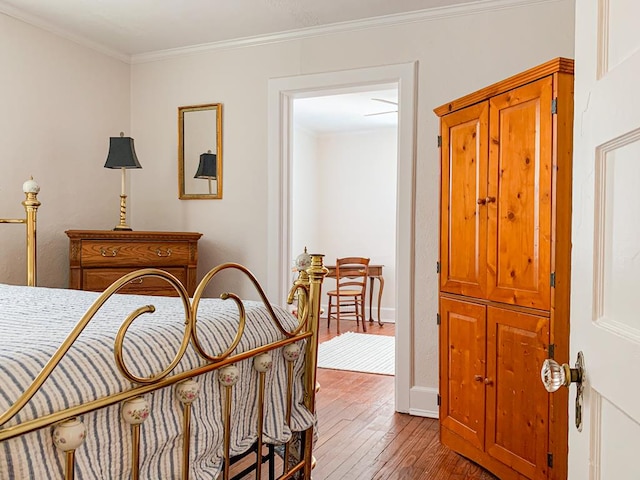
505, 247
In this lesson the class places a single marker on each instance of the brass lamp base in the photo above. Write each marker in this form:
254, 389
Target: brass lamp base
123, 215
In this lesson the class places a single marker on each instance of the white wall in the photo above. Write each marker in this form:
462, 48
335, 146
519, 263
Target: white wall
306, 191
356, 208
60, 104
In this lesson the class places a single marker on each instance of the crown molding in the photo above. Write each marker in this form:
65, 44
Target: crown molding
35, 21
431, 14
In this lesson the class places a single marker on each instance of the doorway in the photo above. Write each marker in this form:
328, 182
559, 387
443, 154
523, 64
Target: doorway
344, 177
282, 92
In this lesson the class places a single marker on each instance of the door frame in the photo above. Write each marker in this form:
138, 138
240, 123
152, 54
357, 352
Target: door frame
282, 92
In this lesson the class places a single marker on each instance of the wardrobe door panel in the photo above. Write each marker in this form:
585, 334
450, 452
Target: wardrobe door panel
463, 214
462, 369
517, 403
519, 193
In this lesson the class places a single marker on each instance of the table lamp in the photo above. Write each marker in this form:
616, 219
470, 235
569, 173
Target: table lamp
122, 155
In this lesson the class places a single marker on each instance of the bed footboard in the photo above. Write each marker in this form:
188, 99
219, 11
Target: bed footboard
220, 391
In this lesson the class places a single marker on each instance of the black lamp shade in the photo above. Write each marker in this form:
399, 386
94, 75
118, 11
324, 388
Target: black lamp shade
121, 153
207, 166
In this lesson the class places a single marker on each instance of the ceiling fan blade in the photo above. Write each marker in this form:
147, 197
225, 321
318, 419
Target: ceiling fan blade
379, 113
385, 101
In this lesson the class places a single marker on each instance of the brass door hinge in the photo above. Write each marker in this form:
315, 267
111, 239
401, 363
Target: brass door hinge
554, 106
549, 459
439, 141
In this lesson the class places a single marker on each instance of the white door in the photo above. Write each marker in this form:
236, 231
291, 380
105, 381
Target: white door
605, 288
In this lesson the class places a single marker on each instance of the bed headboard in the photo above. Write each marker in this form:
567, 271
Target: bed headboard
31, 204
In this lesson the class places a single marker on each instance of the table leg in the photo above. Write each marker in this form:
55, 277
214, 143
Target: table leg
381, 280
371, 279
380, 299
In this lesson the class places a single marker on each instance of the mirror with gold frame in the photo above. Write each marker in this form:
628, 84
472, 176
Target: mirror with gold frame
200, 151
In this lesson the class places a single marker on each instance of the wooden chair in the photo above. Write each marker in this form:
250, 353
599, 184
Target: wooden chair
347, 300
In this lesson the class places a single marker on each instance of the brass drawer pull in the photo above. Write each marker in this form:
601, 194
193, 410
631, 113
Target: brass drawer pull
491, 200
113, 253
160, 253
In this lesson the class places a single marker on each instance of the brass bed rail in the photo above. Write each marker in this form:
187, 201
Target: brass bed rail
31, 204
69, 432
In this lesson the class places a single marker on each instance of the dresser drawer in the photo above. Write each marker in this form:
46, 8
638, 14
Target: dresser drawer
98, 279
105, 253
97, 258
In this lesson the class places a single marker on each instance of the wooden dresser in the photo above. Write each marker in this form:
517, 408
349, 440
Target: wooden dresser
505, 249
99, 257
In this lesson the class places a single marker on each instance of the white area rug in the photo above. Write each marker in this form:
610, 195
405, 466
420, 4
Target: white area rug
358, 352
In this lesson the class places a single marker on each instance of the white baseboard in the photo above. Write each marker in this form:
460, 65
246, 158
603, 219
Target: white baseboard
424, 402
388, 315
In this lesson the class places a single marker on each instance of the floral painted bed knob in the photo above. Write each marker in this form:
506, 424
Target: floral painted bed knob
263, 362
69, 434
228, 375
30, 186
303, 261
135, 410
187, 391
291, 352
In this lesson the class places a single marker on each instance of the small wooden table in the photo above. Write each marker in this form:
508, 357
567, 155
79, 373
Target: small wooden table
375, 271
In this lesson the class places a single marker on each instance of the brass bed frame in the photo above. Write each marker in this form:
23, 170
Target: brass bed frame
305, 291
31, 204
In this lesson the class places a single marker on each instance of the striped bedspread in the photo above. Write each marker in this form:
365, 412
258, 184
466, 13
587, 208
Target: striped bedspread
33, 323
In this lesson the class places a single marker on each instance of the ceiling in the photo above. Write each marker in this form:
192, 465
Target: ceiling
365, 110
135, 27
135, 30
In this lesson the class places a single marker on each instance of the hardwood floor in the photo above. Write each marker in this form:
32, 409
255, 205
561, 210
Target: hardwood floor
361, 437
